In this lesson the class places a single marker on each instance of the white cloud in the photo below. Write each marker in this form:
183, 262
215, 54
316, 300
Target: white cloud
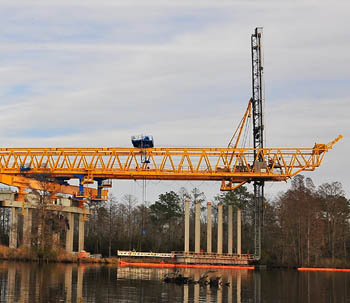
99, 73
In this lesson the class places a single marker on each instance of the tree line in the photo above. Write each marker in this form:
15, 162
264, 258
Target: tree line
305, 225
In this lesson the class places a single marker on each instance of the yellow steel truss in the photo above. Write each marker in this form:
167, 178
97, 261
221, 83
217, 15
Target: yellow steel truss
231, 165
23, 183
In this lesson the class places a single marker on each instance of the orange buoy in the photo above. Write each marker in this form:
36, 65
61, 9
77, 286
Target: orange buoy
323, 269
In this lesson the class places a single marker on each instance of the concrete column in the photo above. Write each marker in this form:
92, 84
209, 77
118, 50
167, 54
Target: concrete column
230, 228
197, 236
81, 232
196, 287
238, 287
186, 273
38, 279
185, 293
239, 232
70, 232
219, 248
208, 294
209, 241
68, 283
25, 283
187, 226
80, 284
11, 281
219, 295
27, 227
229, 289
13, 228
196, 293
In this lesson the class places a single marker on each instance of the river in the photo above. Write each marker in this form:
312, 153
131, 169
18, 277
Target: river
31, 282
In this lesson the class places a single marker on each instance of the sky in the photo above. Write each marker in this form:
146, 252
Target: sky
94, 73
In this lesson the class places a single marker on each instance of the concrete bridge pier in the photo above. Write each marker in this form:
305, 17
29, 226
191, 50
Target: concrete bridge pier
27, 227
68, 283
13, 228
70, 232
187, 226
11, 280
185, 293
209, 229
61, 205
81, 232
239, 232
220, 229
238, 288
231, 240
230, 229
197, 238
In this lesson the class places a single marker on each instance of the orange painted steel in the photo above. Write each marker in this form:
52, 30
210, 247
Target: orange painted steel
171, 265
22, 183
233, 165
323, 269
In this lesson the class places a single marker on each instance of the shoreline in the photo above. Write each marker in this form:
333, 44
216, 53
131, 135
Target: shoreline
59, 255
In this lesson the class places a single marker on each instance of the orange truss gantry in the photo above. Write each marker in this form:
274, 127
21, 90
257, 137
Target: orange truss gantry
229, 165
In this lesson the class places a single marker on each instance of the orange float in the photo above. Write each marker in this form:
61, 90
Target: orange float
323, 269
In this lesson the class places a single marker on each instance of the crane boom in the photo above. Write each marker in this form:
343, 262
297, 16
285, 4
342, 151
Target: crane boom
238, 133
236, 165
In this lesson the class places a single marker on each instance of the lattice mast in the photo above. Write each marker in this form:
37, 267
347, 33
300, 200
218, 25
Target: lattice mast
258, 131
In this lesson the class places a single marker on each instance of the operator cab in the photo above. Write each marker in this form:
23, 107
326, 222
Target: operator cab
142, 141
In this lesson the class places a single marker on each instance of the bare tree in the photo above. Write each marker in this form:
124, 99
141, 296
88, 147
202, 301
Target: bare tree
47, 217
130, 202
336, 213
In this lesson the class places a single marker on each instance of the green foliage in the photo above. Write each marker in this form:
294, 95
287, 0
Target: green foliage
166, 208
197, 196
238, 198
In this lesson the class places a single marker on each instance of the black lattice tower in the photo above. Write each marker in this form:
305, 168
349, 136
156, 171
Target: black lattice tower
258, 130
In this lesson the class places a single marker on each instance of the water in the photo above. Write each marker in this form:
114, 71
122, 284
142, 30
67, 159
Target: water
29, 282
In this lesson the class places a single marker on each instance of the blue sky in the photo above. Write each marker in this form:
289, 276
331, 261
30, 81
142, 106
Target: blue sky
93, 73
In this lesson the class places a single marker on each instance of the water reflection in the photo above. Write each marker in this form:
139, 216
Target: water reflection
29, 282
229, 291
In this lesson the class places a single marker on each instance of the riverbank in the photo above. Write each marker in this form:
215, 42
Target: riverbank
55, 255
59, 255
